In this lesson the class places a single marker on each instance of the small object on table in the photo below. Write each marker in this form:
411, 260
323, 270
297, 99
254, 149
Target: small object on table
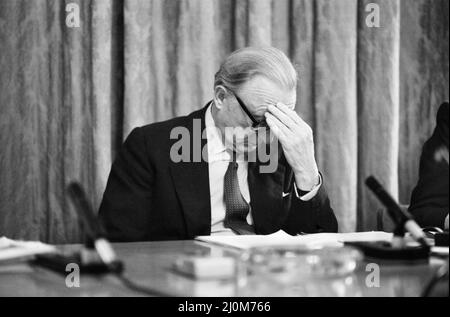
200, 267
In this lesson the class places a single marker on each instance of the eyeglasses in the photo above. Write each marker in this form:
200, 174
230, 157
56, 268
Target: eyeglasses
257, 125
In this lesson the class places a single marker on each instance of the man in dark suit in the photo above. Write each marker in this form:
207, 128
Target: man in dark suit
429, 200
208, 182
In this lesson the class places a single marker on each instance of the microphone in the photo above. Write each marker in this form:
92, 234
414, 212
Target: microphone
95, 232
401, 217
93, 228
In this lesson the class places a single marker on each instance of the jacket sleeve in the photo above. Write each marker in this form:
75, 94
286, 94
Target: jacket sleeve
313, 216
125, 208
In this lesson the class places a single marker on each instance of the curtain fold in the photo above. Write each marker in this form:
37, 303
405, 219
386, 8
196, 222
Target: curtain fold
70, 96
378, 102
302, 37
335, 107
103, 87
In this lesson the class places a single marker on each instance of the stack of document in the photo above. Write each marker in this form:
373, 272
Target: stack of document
14, 250
281, 238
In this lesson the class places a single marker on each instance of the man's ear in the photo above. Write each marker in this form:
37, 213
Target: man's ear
220, 93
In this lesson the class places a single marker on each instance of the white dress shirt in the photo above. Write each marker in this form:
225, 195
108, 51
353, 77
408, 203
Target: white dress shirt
218, 161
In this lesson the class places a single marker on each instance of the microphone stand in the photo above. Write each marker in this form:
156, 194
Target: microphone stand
397, 249
97, 255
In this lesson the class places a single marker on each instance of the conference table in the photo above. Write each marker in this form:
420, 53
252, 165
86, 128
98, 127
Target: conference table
150, 264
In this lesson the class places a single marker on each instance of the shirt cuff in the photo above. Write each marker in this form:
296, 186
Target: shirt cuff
310, 195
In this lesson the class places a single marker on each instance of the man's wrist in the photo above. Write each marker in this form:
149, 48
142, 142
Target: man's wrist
307, 184
307, 195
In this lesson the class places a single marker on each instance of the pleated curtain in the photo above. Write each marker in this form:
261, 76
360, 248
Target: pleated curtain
70, 96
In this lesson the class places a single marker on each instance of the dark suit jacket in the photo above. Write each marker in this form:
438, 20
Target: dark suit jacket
149, 197
429, 200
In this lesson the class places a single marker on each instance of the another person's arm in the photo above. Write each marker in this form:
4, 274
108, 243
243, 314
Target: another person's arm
429, 200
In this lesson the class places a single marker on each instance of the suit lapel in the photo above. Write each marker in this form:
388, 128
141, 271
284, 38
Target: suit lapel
191, 180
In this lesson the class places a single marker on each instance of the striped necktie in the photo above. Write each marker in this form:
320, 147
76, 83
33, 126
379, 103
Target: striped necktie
237, 208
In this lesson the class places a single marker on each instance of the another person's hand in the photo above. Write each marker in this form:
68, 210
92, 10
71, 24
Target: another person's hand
296, 138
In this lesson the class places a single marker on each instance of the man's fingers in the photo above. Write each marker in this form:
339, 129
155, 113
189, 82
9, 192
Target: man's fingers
282, 116
281, 131
290, 113
297, 128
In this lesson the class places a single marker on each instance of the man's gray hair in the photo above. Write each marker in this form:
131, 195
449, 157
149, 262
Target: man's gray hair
242, 65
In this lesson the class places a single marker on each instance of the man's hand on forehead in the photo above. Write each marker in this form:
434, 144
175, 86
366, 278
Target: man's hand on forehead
282, 105
296, 138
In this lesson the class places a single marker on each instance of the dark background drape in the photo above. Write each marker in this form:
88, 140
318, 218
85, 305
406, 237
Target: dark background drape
69, 96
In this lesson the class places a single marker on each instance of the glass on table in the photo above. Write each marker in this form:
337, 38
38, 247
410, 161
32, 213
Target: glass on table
289, 270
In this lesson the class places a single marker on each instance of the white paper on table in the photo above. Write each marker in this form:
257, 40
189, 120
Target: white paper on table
13, 249
281, 238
